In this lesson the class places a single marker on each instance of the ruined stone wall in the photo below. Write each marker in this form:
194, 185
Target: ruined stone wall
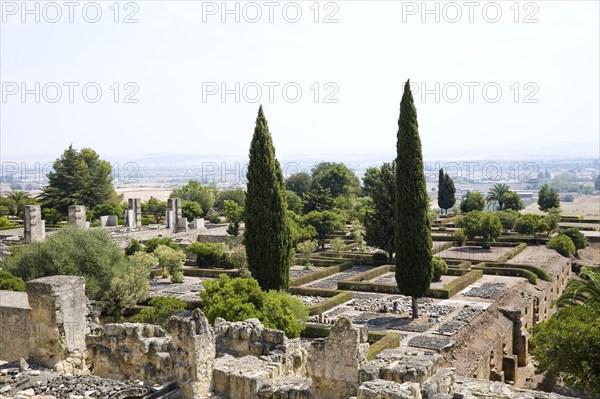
248, 337
131, 351
334, 362
58, 310
47, 324
15, 325
185, 353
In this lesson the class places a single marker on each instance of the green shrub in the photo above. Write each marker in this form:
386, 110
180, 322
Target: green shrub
241, 298
239, 260
10, 282
161, 310
208, 254
71, 251
460, 237
132, 247
213, 216
51, 216
132, 286
172, 261
306, 248
563, 245
576, 236
439, 267
4, 222
512, 253
337, 245
380, 256
145, 221
153, 243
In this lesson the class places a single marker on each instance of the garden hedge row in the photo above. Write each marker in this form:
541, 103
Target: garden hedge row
453, 287
538, 271
330, 303
508, 271
320, 273
512, 253
214, 273
388, 341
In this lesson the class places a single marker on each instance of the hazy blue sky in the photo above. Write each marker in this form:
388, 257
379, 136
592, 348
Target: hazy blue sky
548, 72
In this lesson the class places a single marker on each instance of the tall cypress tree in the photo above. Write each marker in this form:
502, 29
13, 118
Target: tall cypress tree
268, 235
414, 268
446, 191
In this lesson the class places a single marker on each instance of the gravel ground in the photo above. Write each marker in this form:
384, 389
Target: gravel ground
331, 282
487, 291
428, 342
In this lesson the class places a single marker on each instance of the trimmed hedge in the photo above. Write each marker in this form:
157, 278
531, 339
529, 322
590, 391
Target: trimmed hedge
312, 330
443, 247
369, 274
196, 272
330, 303
328, 262
512, 253
358, 258
509, 271
538, 271
319, 274
455, 271
388, 341
453, 287
309, 291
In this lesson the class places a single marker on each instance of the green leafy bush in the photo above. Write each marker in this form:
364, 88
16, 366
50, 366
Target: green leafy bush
153, 243
172, 261
10, 282
567, 346
161, 310
439, 267
4, 222
241, 298
132, 286
563, 245
239, 260
576, 236
306, 248
132, 247
337, 245
213, 216
460, 237
71, 251
208, 254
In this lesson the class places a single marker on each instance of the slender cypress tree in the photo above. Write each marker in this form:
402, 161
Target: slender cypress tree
268, 235
441, 189
446, 191
414, 268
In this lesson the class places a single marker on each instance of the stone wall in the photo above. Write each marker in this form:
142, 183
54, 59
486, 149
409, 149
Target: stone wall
334, 362
34, 225
131, 351
15, 325
47, 324
77, 215
58, 311
248, 337
184, 354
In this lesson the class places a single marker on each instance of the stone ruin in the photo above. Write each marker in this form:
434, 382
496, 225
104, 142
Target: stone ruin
35, 226
49, 325
175, 220
77, 216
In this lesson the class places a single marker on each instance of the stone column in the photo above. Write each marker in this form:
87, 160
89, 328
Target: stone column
194, 359
135, 204
174, 205
129, 218
35, 227
58, 313
77, 215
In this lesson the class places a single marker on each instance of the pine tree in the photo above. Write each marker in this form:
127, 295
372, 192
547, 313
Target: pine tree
414, 268
548, 198
268, 234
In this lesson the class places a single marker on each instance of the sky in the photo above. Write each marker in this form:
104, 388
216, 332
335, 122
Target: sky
490, 79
